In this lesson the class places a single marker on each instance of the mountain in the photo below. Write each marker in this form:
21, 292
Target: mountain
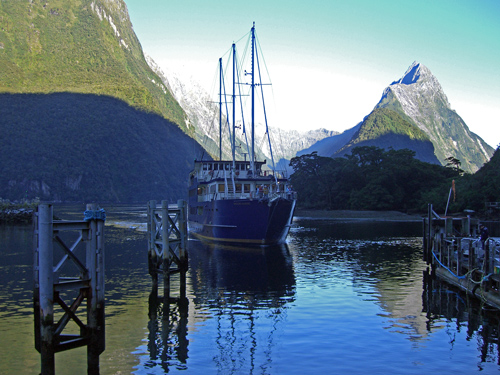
90, 148
82, 115
386, 128
419, 95
289, 142
413, 113
202, 122
79, 46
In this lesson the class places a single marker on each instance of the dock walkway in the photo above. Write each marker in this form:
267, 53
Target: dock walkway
458, 256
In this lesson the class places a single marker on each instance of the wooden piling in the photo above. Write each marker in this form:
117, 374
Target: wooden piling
46, 292
88, 283
167, 255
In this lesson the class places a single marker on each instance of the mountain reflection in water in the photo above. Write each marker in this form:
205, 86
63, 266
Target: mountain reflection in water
340, 297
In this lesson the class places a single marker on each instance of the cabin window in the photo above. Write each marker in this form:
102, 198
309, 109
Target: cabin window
221, 188
200, 191
227, 167
246, 188
238, 188
205, 167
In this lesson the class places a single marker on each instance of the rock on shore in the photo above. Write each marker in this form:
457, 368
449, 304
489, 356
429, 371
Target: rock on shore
16, 215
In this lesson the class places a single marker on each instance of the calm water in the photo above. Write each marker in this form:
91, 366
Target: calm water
339, 298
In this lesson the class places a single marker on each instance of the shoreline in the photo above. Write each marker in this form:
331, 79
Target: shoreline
16, 215
356, 215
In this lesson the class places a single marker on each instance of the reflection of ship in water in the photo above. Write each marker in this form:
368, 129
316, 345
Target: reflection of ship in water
243, 291
265, 272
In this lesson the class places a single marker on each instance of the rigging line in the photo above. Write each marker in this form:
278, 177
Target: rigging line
227, 110
272, 92
280, 143
263, 59
213, 112
265, 113
238, 72
262, 143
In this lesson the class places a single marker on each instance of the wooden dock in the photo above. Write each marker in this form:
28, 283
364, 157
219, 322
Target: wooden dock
457, 255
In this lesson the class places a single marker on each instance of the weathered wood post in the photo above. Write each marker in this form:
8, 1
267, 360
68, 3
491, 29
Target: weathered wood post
95, 301
472, 256
45, 259
182, 224
152, 255
166, 256
428, 235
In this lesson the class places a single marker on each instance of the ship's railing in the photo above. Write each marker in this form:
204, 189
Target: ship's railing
213, 174
290, 195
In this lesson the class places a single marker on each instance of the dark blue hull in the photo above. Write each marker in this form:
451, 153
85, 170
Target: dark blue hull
242, 221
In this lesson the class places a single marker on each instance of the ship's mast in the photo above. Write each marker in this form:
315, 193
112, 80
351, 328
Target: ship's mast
252, 161
234, 103
220, 109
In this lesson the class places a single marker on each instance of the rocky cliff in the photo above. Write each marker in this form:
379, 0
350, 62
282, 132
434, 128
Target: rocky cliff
413, 105
419, 96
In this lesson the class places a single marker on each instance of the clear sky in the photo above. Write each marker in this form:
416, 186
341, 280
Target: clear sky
330, 60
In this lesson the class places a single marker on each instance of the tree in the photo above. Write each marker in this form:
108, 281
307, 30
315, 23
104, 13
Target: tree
369, 178
454, 164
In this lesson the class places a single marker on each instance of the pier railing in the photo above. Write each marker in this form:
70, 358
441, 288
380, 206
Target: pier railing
453, 248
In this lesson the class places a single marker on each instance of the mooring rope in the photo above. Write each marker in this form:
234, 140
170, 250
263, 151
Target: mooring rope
446, 268
94, 215
466, 276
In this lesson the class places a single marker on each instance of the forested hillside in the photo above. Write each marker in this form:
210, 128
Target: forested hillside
76, 147
82, 46
82, 115
388, 129
371, 178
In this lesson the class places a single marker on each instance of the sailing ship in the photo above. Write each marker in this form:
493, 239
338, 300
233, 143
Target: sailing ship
240, 201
